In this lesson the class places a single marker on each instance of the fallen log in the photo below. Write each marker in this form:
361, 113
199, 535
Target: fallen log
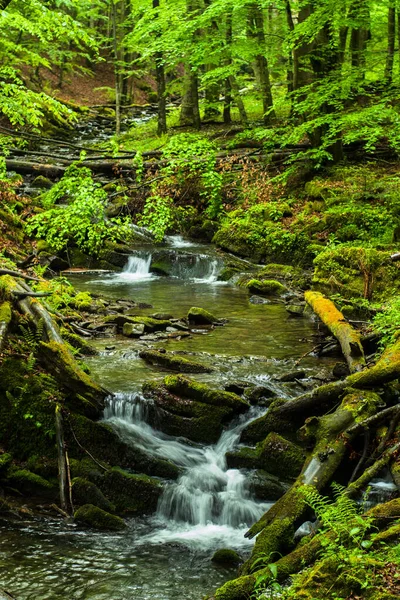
20, 294
348, 338
5, 320
18, 274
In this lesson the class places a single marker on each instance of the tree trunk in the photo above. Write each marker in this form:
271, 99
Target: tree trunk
360, 34
5, 320
256, 29
161, 85
391, 44
117, 73
62, 463
190, 110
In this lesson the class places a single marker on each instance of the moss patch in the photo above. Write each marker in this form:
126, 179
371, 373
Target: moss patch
98, 519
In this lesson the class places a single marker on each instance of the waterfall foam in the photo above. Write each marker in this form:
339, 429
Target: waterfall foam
137, 269
209, 504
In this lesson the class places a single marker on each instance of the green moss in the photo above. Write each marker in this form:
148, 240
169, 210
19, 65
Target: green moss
5, 461
238, 589
133, 494
280, 456
226, 557
266, 287
28, 483
243, 458
77, 342
174, 363
178, 384
200, 316
102, 441
5, 313
150, 324
97, 518
86, 492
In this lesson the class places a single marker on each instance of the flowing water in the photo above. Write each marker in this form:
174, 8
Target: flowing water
166, 556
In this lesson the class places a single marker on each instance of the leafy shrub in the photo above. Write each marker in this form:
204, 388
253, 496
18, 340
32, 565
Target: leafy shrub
82, 221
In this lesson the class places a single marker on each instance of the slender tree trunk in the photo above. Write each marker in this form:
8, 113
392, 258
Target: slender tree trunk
190, 110
391, 43
161, 85
62, 463
360, 34
256, 19
212, 91
118, 80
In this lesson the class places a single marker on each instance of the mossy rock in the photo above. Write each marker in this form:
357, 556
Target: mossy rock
395, 472
279, 456
184, 407
42, 183
5, 462
242, 458
86, 492
150, 325
266, 287
267, 487
29, 483
131, 493
5, 313
200, 316
102, 441
226, 557
173, 363
133, 330
97, 518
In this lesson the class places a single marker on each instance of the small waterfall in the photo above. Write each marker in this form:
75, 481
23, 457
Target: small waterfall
209, 504
137, 269
200, 268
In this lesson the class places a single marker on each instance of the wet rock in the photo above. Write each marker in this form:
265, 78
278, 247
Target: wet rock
179, 325
29, 483
266, 287
258, 300
183, 407
295, 310
266, 486
292, 376
280, 457
258, 393
226, 558
340, 370
162, 316
97, 518
86, 492
150, 325
237, 387
102, 440
53, 262
173, 362
200, 316
242, 458
133, 330
131, 493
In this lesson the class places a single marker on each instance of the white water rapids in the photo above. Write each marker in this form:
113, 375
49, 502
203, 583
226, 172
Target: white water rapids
209, 505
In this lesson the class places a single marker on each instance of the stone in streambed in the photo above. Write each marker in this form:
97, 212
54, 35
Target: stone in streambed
131, 493
172, 362
243, 458
150, 325
86, 492
133, 330
97, 518
259, 394
266, 486
183, 407
226, 558
200, 316
279, 456
292, 376
295, 310
266, 287
162, 316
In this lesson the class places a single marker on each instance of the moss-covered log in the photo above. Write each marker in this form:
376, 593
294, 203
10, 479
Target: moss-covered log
5, 320
348, 338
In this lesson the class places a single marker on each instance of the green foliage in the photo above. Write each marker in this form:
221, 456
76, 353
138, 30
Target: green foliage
83, 220
387, 322
157, 215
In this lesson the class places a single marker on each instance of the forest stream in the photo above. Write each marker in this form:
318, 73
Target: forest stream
166, 556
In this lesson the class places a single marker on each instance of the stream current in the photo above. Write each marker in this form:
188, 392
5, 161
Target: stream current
166, 556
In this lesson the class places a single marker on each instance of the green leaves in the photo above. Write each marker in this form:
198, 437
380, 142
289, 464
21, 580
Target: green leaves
83, 220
